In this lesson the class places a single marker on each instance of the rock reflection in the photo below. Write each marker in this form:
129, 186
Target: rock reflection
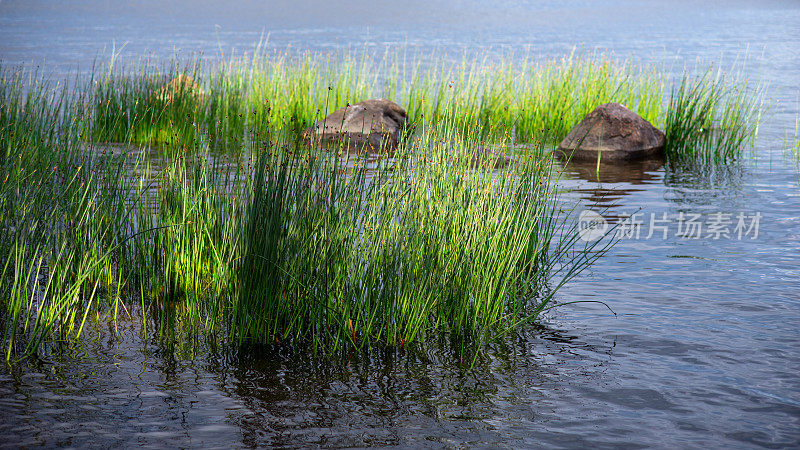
635, 172
609, 184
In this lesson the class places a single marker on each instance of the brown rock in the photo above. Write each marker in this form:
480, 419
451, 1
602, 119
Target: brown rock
371, 124
615, 133
182, 86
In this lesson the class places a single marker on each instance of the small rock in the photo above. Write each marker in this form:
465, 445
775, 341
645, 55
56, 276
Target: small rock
614, 132
182, 86
371, 124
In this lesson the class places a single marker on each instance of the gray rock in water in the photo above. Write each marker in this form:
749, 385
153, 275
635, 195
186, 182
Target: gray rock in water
614, 132
371, 125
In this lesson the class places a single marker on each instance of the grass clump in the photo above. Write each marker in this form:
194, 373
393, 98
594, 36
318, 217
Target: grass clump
793, 144
709, 120
147, 106
419, 243
59, 221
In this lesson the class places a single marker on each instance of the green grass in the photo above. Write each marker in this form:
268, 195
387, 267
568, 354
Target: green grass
128, 107
793, 144
238, 230
710, 120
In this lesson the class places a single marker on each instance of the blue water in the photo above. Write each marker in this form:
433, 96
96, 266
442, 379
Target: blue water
704, 349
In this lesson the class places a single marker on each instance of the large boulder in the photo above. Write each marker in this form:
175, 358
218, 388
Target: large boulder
615, 133
368, 125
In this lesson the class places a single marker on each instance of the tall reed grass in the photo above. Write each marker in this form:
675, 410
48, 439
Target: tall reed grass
710, 120
793, 143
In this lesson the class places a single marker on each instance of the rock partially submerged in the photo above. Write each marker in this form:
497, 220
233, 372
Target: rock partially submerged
616, 134
183, 87
369, 125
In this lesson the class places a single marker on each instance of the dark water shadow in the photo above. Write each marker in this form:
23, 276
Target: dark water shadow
635, 172
363, 397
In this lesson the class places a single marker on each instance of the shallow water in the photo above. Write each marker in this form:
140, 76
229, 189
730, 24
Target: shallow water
703, 349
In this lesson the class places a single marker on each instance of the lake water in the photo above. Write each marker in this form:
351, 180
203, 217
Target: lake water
704, 349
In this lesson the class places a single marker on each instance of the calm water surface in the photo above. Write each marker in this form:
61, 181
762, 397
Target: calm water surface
704, 350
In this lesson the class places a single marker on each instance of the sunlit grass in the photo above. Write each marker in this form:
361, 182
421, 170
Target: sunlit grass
793, 143
709, 120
